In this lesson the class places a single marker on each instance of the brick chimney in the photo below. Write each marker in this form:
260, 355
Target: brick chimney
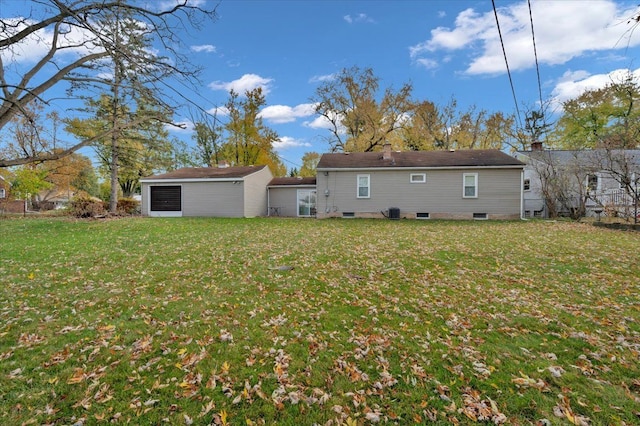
386, 151
536, 146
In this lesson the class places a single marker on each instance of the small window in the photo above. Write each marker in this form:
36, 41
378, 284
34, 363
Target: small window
348, 214
363, 186
422, 215
418, 178
480, 216
470, 182
2, 193
592, 182
526, 185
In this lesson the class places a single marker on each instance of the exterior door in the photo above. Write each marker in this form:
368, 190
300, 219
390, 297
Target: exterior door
306, 202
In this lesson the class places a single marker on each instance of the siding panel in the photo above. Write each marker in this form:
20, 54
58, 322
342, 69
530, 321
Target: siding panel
498, 193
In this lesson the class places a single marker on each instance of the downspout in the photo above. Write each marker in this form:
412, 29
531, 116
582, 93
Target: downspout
268, 201
522, 194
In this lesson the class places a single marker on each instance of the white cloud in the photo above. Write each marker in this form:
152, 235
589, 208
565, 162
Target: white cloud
286, 142
359, 18
168, 4
245, 83
203, 48
222, 111
322, 78
573, 84
427, 63
563, 29
287, 114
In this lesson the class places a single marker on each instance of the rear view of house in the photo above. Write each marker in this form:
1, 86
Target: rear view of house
480, 184
207, 191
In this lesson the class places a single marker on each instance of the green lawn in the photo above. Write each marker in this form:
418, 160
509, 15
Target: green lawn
193, 321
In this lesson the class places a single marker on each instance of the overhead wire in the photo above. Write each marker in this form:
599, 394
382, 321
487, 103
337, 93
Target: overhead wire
504, 52
535, 52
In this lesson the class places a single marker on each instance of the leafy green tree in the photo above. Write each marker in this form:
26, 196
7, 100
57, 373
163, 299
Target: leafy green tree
28, 182
608, 117
140, 151
248, 140
309, 163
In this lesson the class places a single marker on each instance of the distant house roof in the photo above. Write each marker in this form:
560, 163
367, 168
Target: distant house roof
588, 158
419, 159
208, 173
292, 181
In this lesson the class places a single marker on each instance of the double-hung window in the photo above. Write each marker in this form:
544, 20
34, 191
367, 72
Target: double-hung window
470, 185
2, 193
364, 186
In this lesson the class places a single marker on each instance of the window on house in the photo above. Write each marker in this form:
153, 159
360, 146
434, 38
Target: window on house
526, 185
470, 182
2, 193
418, 178
592, 182
364, 186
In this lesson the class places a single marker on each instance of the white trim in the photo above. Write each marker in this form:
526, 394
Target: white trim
175, 180
373, 169
475, 185
368, 176
422, 175
3, 193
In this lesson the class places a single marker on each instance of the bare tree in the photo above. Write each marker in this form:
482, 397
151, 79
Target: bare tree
79, 47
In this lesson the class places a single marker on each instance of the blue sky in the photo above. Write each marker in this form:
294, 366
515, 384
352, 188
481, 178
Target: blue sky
444, 48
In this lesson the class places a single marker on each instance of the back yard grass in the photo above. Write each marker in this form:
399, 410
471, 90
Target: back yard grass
341, 322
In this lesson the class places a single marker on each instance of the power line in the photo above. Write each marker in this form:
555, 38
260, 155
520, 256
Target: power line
535, 52
504, 52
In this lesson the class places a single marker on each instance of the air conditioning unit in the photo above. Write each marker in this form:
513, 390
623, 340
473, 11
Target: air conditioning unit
394, 213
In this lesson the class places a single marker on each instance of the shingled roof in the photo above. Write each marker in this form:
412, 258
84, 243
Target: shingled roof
420, 159
292, 181
209, 173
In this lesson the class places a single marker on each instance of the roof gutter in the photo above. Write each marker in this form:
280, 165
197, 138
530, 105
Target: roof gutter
178, 180
360, 169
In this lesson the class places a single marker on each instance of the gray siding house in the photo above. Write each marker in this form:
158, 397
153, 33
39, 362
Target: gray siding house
580, 182
292, 197
480, 184
207, 191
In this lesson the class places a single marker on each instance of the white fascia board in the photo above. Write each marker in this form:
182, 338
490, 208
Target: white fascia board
291, 186
192, 180
375, 169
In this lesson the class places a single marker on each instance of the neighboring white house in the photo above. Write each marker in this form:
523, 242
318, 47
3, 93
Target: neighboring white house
207, 191
579, 182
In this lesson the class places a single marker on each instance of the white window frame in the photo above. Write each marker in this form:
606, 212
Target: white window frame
422, 178
598, 181
526, 184
3, 193
368, 186
312, 195
464, 185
